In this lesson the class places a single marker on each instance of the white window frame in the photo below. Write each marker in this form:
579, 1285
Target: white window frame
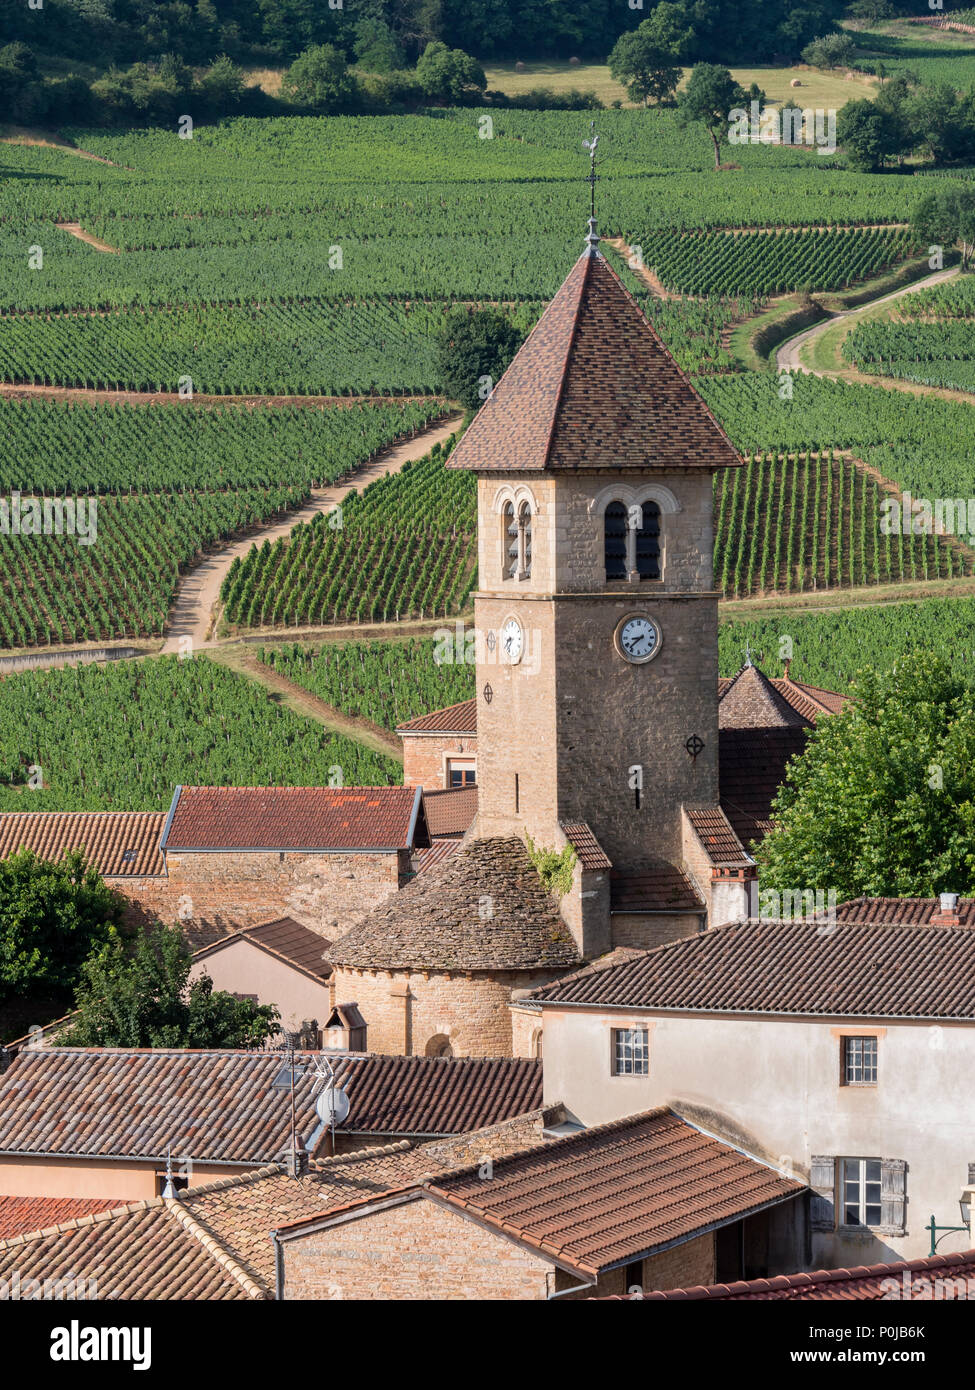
630, 1051
862, 1203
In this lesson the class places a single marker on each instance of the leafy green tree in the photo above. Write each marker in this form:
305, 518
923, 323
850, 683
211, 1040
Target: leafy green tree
882, 801
377, 49
647, 59
830, 51
52, 914
946, 217
449, 74
710, 96
864, 131
871, 11
937, 119
222, 85
320, 78
144, 998
474, 350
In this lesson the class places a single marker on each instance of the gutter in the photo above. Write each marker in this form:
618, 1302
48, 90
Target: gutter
278, 1268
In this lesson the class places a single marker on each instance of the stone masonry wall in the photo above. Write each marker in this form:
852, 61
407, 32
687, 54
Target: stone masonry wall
424, 758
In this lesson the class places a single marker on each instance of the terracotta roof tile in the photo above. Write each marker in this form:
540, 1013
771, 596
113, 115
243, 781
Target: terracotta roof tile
659, 888
751, 768
123, 844
591, 854
452, 719
799, 967
914, 912
284, 938
220, 1106
21, 1214
425, 859
592, 388
864, 1282
751, 701
722, 845
484, 908
450, 812
295, 818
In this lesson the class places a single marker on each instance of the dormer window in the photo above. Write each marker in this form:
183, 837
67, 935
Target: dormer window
631, 541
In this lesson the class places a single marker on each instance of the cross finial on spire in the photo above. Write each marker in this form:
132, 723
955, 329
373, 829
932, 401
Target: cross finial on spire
592, 240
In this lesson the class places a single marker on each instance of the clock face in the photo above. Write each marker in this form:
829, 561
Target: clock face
638, 639
512, 641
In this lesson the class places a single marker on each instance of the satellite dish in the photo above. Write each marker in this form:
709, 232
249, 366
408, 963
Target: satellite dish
332, 1106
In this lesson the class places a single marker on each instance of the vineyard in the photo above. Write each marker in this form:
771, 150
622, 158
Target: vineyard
789, 524
123, 736
386, 682
930, 340
404, 548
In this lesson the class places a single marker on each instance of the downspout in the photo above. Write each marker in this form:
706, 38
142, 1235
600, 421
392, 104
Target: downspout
278, 1269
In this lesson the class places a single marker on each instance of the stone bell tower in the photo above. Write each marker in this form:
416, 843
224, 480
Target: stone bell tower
597, 674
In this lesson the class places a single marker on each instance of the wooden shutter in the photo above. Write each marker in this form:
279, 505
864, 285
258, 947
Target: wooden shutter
971, 1175
822, 1180
893, 1195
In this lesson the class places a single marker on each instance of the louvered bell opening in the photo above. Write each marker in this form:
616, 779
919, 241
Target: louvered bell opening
511, 535
615, 540
525, 518
648, 543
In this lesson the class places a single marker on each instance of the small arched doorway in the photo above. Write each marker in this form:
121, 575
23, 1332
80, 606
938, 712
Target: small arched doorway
439, 1046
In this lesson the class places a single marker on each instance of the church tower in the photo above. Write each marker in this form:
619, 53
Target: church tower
596, 613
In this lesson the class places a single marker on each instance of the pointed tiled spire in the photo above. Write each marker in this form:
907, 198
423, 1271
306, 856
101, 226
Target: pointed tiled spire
751, 701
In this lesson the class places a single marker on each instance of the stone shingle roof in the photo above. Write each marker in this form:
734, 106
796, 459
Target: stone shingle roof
295, 818
121, 844
614, 1193
485, 908
221, 1106
804, 968
862, 1283
593, 388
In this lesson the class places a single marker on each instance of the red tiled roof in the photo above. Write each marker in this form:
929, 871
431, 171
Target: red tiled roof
285, 938
295, 818
450, 812
591, 854
807, 968
19, 1215
956, 1274
452, 719
810, 700
221, 1107
913, 912
662, 888
593, 388
440, 850
721, 844
120, 844
751, 768
611, 1194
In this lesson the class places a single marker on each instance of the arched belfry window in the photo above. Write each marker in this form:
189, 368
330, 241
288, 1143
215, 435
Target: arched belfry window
510, 540
525, 530
616, 526
648, 542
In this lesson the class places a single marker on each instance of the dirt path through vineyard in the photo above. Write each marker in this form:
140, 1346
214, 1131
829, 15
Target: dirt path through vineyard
75, 229
191, 618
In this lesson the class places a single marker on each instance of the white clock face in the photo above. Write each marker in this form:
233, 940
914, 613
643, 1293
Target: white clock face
512, 641
638, 639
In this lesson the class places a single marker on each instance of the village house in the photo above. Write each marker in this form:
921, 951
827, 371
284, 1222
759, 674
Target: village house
837, 1051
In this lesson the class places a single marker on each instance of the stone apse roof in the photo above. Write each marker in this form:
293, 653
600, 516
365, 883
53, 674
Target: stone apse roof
593, 388
221, 1106
483, 909
801, 968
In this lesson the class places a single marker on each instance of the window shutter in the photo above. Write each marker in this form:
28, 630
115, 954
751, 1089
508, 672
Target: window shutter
822, 1180
893, 1195
971, 1175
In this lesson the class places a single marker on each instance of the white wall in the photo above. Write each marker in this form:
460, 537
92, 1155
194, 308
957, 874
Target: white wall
772, 1086
241, 968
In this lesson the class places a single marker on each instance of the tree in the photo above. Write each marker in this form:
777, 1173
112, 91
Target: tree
474, 350
882, 801
710, 96
829, 51
449, 74
377, 49
320, 78
647, 59
52, 914
938, 121
946, 217
864, 130
222, 85
871, 12
144, 998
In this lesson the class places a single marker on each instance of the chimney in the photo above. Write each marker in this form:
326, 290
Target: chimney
947, 914
296, 1160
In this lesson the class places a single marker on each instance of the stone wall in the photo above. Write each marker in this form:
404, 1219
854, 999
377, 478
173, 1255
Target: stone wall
406, 1010
425, 758
646, 930
416, 1249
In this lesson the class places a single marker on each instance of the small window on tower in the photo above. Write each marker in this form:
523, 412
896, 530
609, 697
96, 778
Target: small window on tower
511, 541
525, 526
615, 523
648, 542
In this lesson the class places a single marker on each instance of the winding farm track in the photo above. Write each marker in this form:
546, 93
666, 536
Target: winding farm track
788, 356
193, 612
